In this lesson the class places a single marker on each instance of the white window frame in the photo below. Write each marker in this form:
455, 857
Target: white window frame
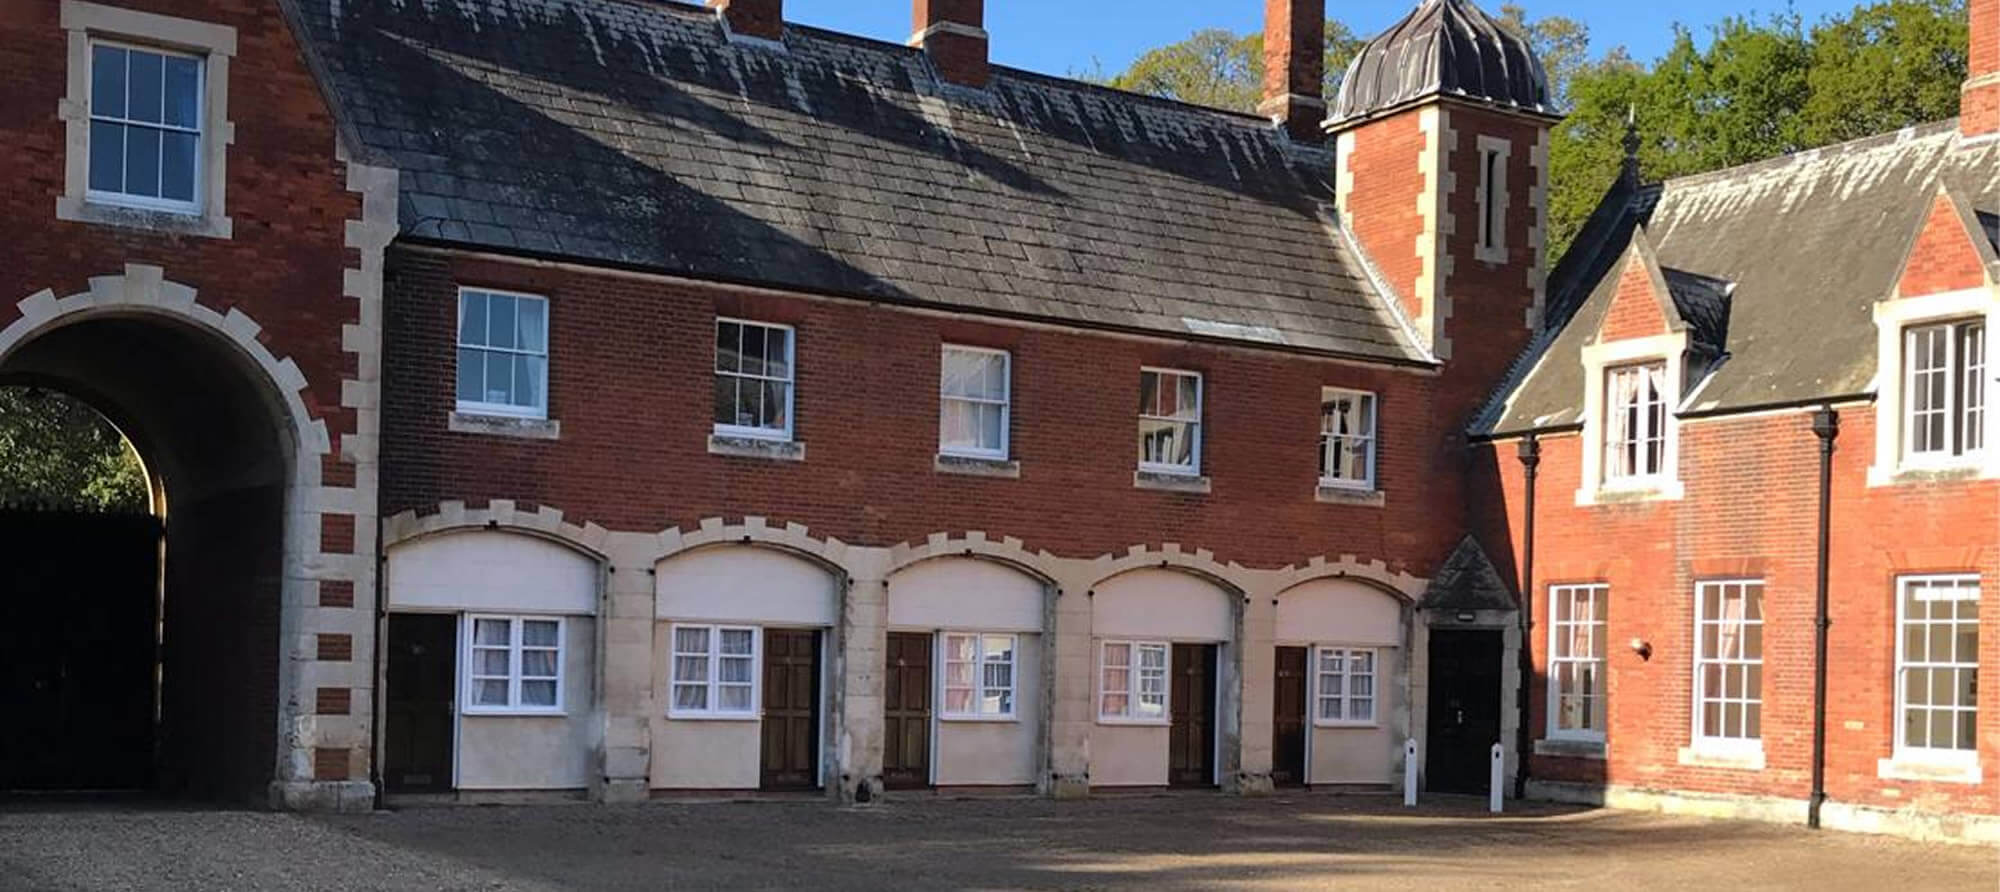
1195, 427
713, 680
1598, 596
1492, 199
1893, 318
1006, 403
1346, 695
86, 24
1961, 420
981, 657
1368, 440
1598, 361
1704, 740
791, 382
516, 643
147, 202
1959, 757
1650, 378
508, 410
1131, 715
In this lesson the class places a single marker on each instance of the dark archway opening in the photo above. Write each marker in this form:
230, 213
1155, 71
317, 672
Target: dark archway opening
150, 640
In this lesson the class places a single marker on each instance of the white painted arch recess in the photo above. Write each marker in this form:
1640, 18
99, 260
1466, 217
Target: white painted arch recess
1162, 605
966, 593
491, 570
1339, 611
745, 584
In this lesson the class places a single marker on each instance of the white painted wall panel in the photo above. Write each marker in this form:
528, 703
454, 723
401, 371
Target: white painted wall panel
491, 571
997, 752
965, 593
532, 752
1163, 605
745, 583
1339, 611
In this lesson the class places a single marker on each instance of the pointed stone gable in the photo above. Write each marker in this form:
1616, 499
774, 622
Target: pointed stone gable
1950, 252
1468, 581
1642, 306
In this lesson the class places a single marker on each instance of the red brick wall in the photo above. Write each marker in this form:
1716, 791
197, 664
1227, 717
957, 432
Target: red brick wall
1382, 208
1488, 325
1749, 511
632, 365
1634, 311
1979, 108
1944, 257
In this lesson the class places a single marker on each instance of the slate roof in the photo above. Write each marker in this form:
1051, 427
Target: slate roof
1443, 48
1810, 242
639, 134
1467, 580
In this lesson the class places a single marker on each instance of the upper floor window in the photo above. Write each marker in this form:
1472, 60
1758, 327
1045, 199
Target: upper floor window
1576, 661
1937, 664
978, 675
1347, 438
1729, 663
1944, 390
973, 402
1169, 421
503, 353
753, 379
514, 664
145, 127
1635, 416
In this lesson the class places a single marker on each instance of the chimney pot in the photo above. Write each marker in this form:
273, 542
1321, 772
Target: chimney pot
1979, 104
1295, 66
953, 34
753, 18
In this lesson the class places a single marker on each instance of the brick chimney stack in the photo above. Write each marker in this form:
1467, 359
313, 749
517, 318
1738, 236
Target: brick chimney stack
1979, 106
953, 33
753, 18
1295, 66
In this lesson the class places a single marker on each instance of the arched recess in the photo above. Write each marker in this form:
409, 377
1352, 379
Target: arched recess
1351, 711
969, 681
1180, 612
746, 652
237, 454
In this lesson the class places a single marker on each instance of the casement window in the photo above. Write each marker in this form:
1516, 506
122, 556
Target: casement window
145, 127
978, 675
1344, 686
1169, 421
503, 353
973, 402
1132, 684
714, 671
514, 664
1635, 428
1347, 439
1577, 631
1937, 665
1729, 663
753, 379
1944, 391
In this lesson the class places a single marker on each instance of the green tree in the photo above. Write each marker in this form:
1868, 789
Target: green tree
1563, 45
1221, 69
56, 451
1885, 67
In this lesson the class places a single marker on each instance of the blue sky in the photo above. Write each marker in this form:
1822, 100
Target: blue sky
1064, 36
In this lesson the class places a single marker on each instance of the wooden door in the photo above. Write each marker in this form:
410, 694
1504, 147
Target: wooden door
419, 703
1191, 726
1288, 719
791, 710
906, 712
1464, 720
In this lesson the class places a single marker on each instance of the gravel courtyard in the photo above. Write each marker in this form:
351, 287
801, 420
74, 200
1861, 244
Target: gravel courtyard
1306, 841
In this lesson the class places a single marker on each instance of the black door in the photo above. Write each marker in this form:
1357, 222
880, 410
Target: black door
906, 712
419, 703
791, 710
1191, 725
1288, 719
1464, 710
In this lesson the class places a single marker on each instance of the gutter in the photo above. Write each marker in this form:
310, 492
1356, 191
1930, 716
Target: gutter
1826, 427
1531, 460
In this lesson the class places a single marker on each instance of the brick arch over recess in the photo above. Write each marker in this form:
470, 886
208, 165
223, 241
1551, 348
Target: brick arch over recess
792, 538
1007, 552
1201, 563
501, 515
1374, 574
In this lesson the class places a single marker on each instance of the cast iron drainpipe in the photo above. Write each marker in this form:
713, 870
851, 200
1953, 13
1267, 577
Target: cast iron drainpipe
1825, 426
1531, 460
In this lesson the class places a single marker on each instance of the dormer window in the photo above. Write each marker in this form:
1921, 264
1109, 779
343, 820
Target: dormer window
1635, 422
1944, 391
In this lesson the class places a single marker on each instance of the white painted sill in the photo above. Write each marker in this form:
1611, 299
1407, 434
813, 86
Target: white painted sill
1342, 493
756, 447
981, 719
1738, 758
1350, 726
1973, 468
1943, 768
976, 466
1171, 481
1133, 723
471, 712
106, 212
715, 716
469, 421
1634, 491
1570, 748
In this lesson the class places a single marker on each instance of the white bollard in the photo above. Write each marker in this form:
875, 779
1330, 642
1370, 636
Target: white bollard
1499, 779
1410, 772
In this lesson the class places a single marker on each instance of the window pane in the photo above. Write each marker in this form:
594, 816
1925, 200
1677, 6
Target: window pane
689, 696
502, 321
472, 318
728, 352
107, 157
534, 335
1153, 657
1118, 655
531, 377
754, 342
740, 642
183, 91
539, 632
776, 396
143, 99
734, 670
725, 399
1114, 704
691, 640
538, 693
538, 664
499, 378
490, 693
999, 648
733, 698
691, 669
777, 353
492, 632
177, 166
107, 81
1000, 702
1149, 388
989, 427
489, 662
142, 161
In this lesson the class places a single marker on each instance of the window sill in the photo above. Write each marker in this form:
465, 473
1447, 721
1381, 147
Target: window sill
976, 466
1332, 494
79, 210
714, 716
1935, 769
1348, 726
1570, 748
1737, 758
1167, 481
465, 422
756, 447
1972, 469
1632, 493
515, 713
981, 719
1133, 723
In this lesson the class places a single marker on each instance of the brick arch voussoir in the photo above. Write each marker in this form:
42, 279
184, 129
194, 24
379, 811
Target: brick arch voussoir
501, 515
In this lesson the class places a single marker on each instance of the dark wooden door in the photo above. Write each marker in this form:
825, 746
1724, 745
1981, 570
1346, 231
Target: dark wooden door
1191, 723
419, 703
1288, 719
1464, 720
791, 709
906, 712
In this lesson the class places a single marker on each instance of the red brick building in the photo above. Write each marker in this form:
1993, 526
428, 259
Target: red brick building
624, 398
